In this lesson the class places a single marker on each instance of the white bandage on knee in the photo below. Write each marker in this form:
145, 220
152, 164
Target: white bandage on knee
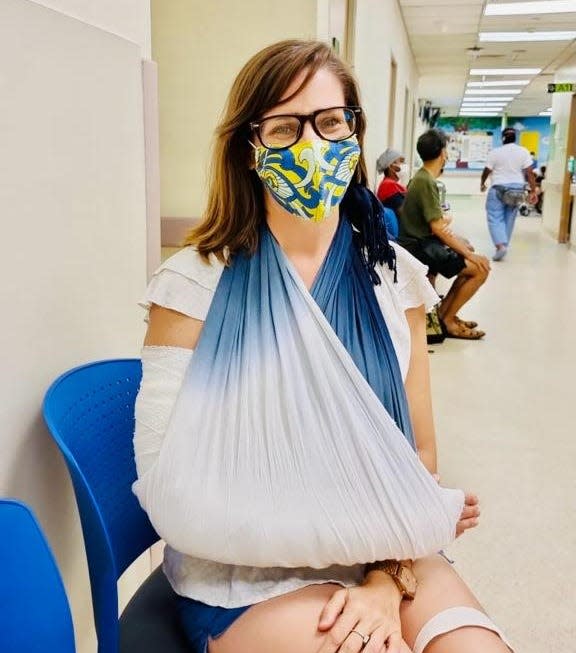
452, 619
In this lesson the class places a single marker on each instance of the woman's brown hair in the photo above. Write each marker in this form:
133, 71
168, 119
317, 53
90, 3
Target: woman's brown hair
235, 207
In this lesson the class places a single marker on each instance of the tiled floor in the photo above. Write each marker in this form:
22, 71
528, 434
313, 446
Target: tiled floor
506, 419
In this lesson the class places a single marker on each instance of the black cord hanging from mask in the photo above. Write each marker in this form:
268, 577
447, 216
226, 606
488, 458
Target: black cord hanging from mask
366, 215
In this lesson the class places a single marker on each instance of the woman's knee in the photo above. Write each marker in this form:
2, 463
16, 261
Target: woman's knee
438, 577
447, 612
439, 588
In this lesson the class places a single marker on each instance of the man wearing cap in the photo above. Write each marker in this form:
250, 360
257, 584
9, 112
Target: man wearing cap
510, 167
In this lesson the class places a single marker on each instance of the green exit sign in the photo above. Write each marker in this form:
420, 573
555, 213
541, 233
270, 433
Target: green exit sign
564, 87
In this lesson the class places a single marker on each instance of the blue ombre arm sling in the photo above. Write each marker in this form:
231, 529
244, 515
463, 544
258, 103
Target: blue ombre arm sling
290, 443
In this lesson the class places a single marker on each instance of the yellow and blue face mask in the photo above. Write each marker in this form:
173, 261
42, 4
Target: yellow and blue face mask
309, 178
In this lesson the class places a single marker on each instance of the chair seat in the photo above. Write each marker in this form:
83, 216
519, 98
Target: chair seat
150, 623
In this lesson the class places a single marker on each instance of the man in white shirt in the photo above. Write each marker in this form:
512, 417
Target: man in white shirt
510, 167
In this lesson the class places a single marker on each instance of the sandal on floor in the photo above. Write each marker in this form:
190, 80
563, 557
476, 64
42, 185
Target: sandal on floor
469, 324
463, 333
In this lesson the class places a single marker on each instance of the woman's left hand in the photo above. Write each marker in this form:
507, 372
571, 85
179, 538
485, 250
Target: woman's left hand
470, 514
372, 609
470, 511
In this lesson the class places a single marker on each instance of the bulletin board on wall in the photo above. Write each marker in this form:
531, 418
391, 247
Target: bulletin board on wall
470, 139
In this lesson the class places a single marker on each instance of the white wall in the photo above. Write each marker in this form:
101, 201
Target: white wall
72, 202
380, 34
557, 160
129, 19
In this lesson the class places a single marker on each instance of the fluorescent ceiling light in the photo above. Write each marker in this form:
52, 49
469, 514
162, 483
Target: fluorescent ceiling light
515, 82
465, 110
505, 71
492, 91
538, 7
471, 107
509, 37
480, 115
494, 99
480, 98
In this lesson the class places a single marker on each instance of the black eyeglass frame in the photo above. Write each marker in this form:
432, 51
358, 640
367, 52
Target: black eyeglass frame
303, 119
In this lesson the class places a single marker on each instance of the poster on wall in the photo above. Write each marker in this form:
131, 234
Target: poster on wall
471, 139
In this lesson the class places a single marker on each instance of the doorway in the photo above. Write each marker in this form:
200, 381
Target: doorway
566, 209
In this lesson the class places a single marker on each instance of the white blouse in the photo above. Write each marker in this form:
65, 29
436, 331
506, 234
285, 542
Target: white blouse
186, 284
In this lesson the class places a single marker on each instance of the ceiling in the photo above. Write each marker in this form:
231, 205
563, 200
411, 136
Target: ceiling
442, 31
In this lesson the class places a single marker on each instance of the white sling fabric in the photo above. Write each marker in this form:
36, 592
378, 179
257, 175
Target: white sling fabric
278, 453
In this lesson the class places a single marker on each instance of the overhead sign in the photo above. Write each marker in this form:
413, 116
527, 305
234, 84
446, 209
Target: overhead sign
563, 87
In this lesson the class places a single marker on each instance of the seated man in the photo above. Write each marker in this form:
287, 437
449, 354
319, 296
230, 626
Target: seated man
425, 233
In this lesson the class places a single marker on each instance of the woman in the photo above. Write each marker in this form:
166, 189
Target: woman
391, 190
302, 337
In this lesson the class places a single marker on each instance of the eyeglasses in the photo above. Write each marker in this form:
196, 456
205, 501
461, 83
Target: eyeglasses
333, 124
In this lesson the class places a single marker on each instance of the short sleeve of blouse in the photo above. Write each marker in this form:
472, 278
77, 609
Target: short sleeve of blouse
184, 283
413, 286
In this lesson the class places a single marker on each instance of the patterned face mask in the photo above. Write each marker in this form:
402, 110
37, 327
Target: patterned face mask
310, 178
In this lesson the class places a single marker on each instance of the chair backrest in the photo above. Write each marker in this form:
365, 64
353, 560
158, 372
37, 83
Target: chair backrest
89, 411
34, 610
391, 223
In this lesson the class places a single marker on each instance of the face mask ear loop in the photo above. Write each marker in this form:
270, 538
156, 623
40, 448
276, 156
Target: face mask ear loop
256, 157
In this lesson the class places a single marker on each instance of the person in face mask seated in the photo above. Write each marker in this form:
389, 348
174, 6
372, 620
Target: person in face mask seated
284, 439
425, 232
392, 189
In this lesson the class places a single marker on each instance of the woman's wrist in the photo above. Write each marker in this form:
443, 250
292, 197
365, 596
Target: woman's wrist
383, 582
400, 572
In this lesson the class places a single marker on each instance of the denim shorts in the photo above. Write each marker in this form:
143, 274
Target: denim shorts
202, 622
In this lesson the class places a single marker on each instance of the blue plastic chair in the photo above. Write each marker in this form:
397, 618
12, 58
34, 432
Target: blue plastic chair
391, 221
89, 411
34, 610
